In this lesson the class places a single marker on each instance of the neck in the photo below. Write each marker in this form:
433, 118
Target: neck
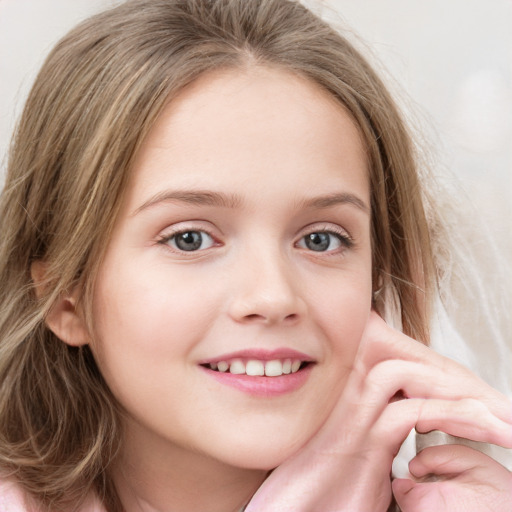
158, 476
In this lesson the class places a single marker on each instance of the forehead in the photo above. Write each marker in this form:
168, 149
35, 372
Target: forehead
251, 127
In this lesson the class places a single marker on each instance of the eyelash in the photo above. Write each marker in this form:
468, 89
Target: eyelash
345, 240
168, 238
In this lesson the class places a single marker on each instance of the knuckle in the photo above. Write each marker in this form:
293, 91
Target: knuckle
473, 406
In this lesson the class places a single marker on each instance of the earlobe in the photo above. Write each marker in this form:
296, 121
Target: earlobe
64, 318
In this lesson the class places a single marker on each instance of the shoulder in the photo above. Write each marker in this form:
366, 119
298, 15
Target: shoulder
11, 500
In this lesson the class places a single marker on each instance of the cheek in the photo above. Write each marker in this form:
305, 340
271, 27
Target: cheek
146, 324
343, 310
148, 321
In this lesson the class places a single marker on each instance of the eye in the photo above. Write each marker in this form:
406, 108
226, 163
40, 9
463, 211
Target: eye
324, 241
189, 241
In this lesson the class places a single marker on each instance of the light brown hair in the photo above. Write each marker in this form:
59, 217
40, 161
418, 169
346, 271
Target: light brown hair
96, 97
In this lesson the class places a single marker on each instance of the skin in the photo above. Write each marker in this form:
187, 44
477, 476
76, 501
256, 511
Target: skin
272, 142
454, 478
275, 143
346, 466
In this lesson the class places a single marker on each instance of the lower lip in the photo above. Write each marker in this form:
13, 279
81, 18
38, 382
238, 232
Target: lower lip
262, 386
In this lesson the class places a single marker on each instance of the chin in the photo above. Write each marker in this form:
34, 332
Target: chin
261, 454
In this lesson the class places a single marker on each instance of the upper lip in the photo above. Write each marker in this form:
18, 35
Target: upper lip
261, 355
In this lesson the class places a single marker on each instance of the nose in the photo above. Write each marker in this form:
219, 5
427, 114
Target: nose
266, 291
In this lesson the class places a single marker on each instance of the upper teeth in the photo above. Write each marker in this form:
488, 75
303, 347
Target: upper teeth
255, 367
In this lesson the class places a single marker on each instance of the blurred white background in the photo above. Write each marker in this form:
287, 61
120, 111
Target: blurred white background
450, 59
453, 61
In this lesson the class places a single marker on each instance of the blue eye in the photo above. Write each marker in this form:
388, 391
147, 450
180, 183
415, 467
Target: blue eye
190, 240
324, 241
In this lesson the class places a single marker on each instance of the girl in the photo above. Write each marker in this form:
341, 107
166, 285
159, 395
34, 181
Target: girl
210, 206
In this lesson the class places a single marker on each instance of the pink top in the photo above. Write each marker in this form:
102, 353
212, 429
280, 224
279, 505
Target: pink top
11, 500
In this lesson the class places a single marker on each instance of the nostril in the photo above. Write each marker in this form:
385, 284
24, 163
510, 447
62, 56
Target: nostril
291, 317
253, 316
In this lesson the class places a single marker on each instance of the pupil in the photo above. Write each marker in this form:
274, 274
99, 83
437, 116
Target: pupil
189, 241
317, 241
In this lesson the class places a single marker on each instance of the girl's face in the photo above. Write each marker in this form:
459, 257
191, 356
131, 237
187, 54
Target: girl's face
244, 243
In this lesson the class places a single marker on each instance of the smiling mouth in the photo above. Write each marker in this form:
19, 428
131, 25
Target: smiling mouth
258, 368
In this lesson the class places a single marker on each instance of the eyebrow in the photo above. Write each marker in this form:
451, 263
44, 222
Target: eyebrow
335, 199
219, 199
194, 197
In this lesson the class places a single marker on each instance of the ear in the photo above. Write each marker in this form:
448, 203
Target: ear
64, 319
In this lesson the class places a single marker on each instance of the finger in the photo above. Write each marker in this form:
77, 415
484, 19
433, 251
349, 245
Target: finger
401, 486
381, 342
454, 477
448, 461
468, 418
389, 379
417, 380
463, 418
438, 438
414, 496
385, 430
449, 379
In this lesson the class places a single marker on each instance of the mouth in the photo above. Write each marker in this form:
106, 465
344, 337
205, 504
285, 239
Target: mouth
260, 372
258, 367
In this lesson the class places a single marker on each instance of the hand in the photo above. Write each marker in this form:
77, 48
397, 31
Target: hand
454, 478
346, 466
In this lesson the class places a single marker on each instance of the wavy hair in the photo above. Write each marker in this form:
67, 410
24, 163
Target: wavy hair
95, 99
